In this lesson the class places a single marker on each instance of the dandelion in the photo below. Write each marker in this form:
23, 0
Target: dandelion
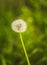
20, 26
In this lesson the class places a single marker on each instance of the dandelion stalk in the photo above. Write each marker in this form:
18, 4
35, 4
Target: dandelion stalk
3, 60
24, 50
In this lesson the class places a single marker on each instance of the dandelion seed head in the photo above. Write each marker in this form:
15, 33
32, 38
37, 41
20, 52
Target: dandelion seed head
19, 25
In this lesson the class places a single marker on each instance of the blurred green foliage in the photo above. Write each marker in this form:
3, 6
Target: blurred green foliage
34, 12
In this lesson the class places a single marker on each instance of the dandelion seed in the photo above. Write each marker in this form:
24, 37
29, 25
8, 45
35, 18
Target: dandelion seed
19, 26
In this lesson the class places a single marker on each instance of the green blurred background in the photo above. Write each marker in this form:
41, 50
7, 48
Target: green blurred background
34, 13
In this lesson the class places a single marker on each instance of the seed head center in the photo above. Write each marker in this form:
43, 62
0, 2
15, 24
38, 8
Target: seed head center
18, 26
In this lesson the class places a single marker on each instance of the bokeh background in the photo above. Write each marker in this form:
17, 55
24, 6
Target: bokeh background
34, 13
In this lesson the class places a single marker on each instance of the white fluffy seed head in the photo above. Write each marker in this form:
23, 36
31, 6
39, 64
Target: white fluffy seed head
19, 25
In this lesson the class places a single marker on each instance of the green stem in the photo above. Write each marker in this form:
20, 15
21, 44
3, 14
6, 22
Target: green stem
3, 60
24, 50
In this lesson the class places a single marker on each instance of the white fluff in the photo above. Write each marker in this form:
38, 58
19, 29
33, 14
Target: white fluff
19, 25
